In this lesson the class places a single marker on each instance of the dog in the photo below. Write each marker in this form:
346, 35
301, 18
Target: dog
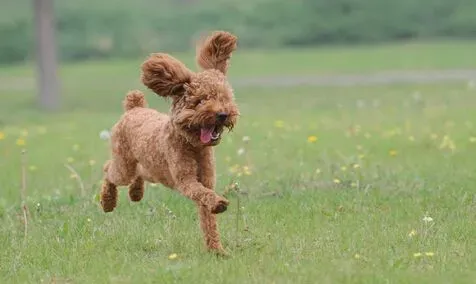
176, 150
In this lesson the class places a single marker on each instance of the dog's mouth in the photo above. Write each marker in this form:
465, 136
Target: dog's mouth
210, 134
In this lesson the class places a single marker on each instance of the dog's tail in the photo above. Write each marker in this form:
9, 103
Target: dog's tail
134, 99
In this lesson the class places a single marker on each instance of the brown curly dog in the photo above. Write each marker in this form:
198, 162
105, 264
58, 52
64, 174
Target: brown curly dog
176, 150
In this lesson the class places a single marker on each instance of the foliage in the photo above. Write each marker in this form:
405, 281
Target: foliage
120, 28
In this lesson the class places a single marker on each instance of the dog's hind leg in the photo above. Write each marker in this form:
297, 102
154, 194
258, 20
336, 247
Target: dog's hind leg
108, 196
136, 189
119, 171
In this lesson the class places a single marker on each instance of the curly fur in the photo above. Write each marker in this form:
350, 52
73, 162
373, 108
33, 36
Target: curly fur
176, 150
134, 99
215, 51
165, 75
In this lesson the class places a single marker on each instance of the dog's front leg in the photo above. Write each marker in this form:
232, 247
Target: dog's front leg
198, 185
208, 225
184, 168
203, 196
208, 204
208, 221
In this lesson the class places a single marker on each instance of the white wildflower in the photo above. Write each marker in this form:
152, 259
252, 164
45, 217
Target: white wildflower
471, 84
105, 135
427, 219
360, 104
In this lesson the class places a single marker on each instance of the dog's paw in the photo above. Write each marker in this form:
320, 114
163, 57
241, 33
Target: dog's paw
136, 190
136, 194
221, 253
220, 206
108, 196
108, 206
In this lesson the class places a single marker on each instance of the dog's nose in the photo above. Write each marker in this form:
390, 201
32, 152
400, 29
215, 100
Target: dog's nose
222, 116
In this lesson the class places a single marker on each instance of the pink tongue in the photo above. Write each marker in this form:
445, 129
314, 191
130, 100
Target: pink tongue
206, 135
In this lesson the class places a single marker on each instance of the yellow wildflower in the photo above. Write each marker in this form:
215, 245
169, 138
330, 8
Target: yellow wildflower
356, 166
279, 124
2, 135
354, 184
234, 169
318, 171
173, 256
337, 181
21, 142
246, 170
447, 143
429, 253
412, 233
417, 254
393, 153
312, 139
357, 256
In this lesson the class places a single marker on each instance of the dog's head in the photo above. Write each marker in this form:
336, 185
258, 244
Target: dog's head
202, 103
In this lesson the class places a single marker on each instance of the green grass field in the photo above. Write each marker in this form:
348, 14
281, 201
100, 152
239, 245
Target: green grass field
337, 184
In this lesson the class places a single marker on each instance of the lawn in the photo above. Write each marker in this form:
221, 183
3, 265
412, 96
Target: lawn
336, 185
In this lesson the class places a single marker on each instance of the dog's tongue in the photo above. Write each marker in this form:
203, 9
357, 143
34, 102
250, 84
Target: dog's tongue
206, 135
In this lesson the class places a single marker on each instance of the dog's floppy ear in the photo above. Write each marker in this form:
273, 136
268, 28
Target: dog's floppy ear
165, 75
215, 51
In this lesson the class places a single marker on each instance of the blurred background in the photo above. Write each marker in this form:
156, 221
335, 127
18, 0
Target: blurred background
118, 28
305, 36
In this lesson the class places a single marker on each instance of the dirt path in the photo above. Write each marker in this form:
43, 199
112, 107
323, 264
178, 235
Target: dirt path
380, 78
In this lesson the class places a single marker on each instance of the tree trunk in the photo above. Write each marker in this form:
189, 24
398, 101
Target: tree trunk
47, 76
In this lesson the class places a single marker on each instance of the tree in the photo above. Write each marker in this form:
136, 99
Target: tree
48, 86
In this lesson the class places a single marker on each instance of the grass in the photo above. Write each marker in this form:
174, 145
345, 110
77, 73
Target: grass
337, 185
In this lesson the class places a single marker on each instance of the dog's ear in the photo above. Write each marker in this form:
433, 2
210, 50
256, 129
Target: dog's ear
165, 75
214, 52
